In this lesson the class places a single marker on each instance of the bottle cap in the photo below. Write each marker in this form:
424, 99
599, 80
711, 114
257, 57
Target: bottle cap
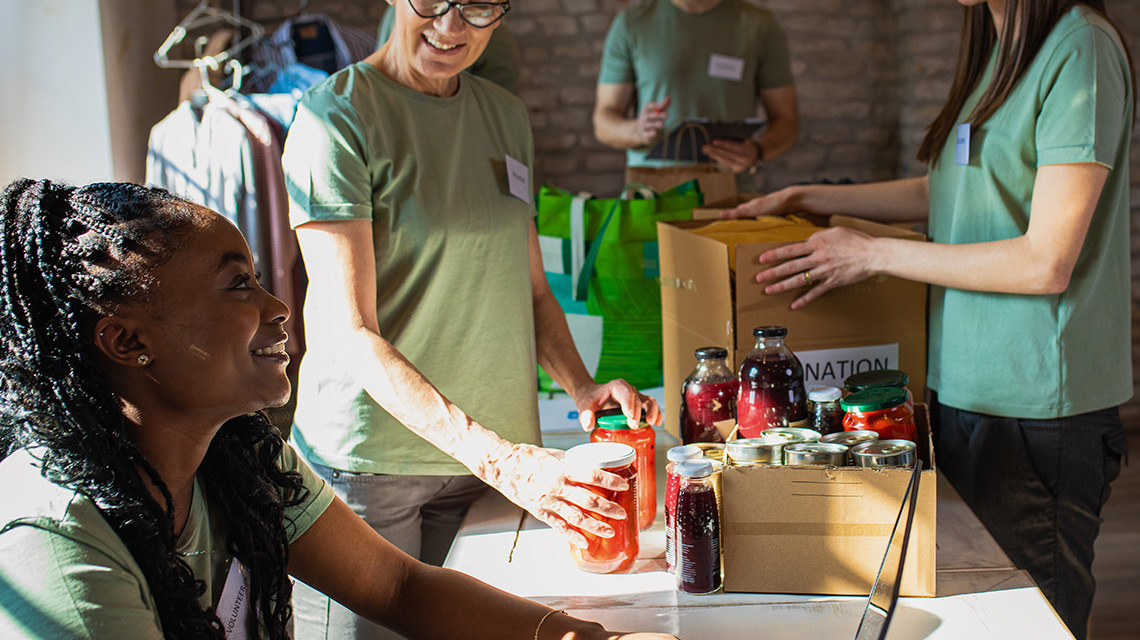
615, 419
770, 332
600, 455
706, 353
874, 399
876, 378
695, 468
682, 453
824, 394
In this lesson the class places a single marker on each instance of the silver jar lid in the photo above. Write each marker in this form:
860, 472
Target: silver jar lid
792, 434
768, 450
823, 453
885, 453
851, 438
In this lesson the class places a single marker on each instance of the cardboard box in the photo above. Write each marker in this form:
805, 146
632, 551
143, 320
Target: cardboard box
711, 210
879, 323
822, 530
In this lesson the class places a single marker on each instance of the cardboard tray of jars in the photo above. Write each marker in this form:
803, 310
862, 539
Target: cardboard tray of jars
824, 530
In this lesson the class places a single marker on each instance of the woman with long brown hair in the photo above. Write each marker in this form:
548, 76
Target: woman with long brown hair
1026, 198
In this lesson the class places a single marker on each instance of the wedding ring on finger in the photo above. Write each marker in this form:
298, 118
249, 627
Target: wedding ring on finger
807, 278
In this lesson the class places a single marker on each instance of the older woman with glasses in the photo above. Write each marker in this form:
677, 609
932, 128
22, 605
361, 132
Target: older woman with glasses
428, 307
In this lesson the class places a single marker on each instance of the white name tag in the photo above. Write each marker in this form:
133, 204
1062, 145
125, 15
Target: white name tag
518, 179
233, 606
726, 67
962, 145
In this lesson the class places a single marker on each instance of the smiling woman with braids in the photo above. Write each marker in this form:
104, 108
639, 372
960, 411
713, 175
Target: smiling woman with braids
147, 494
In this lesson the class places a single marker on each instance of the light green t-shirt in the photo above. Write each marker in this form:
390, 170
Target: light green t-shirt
67, 575
452, 264
1040, 356
664, 51
500, 62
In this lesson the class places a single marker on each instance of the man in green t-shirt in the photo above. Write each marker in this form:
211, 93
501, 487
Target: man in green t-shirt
668, 60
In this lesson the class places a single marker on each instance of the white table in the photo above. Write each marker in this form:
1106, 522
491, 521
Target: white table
980, 593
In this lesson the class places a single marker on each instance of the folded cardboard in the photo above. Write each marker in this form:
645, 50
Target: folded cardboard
879, 323
821, 530
712, 208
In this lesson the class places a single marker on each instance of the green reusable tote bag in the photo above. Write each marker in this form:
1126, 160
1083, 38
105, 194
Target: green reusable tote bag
600, 256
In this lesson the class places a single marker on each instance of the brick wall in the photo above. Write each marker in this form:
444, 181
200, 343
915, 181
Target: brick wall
870, 74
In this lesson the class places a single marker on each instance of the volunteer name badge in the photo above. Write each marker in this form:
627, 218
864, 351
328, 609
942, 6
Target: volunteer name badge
726, 67
518, 179
962, 145
233, 606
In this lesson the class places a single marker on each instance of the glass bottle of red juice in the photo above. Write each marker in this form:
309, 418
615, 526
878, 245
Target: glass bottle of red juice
708, 396
698, 529
771, 385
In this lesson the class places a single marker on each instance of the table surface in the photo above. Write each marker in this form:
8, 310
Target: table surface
980, 593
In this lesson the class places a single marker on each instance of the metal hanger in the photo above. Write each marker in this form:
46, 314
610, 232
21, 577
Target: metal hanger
204, 15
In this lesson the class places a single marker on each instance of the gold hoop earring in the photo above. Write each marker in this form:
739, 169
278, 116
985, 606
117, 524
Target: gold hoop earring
144, 359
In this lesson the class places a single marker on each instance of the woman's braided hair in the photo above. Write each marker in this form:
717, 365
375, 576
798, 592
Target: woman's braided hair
69, 256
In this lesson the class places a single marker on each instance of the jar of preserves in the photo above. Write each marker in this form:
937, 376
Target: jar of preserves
609, 555
880, 409
879, 378
824, 413
708, 396
698, 529
771, 385
672, 482
614, 427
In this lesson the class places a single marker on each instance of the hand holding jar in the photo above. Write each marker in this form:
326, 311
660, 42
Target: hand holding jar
566, 498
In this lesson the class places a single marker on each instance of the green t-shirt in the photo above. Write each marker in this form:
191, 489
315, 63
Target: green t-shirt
452, 263
500, 62
67, 575
1040, 356
663, 51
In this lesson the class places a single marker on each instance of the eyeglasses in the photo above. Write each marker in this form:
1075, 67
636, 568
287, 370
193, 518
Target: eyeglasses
477, 14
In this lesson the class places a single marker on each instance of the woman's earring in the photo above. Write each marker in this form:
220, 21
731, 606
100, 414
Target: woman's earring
144, 359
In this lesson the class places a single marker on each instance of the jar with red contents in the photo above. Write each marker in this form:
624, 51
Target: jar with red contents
708, 396
613, 426
608, 555
879, 378
883, 410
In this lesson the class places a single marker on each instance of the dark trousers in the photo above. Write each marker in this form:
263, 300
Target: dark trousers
1038, 486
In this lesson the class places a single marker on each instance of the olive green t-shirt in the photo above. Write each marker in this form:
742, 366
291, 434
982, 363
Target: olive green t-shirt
67, 575
663, 51
500, 62
453, 289
1040, 356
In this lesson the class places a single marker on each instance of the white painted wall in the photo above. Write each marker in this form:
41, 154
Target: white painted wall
53, 96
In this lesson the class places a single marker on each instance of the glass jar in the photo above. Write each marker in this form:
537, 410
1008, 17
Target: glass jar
880, 409
672, 482
708, 396
697, 529
614, 427
771, 385
824, 413
608, 555
879, 378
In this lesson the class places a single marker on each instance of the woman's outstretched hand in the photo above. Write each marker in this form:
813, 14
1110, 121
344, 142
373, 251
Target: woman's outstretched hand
830, 258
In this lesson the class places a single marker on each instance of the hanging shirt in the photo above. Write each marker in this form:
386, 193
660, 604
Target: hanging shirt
324, 45
209, 160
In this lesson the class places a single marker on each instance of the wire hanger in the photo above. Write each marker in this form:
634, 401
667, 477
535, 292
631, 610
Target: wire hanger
201, 16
